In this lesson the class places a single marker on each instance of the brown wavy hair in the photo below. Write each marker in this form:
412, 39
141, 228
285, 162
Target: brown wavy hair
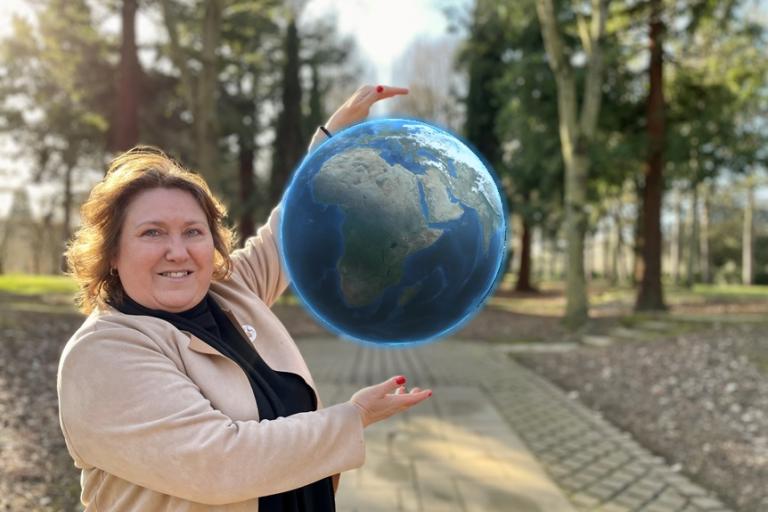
95, 245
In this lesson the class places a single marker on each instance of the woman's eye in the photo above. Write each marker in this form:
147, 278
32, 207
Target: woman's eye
151, 233
194, 232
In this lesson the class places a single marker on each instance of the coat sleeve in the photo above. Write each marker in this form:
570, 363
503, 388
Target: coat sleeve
259, 263
140, 418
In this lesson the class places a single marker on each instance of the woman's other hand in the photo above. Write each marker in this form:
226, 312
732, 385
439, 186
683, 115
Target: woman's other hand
357, 107
383, 400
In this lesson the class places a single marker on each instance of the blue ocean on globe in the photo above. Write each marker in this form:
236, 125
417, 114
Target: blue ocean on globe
393, 232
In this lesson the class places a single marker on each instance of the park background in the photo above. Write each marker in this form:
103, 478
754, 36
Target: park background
630, 140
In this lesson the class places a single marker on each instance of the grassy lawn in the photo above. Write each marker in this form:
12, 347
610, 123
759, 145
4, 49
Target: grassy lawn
27, 284
37, 293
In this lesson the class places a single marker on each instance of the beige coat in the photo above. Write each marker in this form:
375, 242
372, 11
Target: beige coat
159, 421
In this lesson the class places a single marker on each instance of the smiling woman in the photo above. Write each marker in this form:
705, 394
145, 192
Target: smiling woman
182, 390
149, 216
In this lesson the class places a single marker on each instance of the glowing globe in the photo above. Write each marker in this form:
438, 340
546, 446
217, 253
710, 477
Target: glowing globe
393, 232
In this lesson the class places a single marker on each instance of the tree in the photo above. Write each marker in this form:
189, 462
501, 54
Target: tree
531, 163
290, 141
249, 35
327, 59
702, 118
126, 123
650, 295
748, 234
576, 135
56, 101
200, 88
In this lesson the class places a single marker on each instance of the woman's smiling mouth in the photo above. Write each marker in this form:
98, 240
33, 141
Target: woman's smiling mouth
176, 274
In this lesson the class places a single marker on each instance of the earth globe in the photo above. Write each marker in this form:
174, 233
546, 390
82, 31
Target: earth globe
393, 232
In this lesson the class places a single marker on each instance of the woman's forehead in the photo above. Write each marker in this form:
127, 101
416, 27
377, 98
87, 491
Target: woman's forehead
164, 205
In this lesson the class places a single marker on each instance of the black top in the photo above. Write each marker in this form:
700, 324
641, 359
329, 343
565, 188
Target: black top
277, 393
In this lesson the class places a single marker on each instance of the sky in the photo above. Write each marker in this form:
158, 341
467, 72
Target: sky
384, 29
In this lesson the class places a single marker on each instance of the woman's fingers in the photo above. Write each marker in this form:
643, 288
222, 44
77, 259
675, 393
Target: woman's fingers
382, 400
357, 106
390, 385
385, 91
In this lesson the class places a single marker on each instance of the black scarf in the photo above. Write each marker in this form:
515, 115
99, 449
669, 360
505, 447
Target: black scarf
277, 393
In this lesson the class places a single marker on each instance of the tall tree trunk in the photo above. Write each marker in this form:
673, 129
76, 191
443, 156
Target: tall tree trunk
129, 83
637, 248
206, 126
552, 257
289, 144
524, 275
605, 263
693, 237
748, 237
676, 242
704, 266
619, 260
576, 134
70, 161
650, 295
316, 113
515, 249
246, 227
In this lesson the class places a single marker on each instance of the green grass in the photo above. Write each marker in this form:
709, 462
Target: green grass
27, 284
731, 291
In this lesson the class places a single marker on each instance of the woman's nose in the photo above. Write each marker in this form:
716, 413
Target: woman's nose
177, 249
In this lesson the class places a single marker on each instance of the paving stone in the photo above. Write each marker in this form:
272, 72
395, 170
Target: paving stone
370, 500
671, 498
464, 432
408, 500
584, 500
659, 507
612, 507
706, 503
633, 501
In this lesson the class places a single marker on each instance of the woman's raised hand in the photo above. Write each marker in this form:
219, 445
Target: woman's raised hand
357, 106
383, 400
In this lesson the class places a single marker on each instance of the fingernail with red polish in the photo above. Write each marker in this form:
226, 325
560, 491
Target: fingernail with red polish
379, 89
430, 394
400, 380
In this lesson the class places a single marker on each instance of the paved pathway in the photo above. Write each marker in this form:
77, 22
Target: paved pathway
493, 437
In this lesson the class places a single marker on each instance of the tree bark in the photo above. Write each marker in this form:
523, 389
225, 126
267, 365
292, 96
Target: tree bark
618, 270
576, 134
290, 145
693, 237
676, 242
70, 161
200, 93
524, 274
206, 126
748, 237
129, 83
246, 226
650, 295
704, 264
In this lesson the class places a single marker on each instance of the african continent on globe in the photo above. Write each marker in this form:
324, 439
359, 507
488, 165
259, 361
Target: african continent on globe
393, 231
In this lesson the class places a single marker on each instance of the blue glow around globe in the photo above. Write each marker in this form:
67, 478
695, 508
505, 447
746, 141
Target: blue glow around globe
393, 232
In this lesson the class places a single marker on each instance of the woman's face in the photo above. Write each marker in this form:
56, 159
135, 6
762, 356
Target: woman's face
166, 252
